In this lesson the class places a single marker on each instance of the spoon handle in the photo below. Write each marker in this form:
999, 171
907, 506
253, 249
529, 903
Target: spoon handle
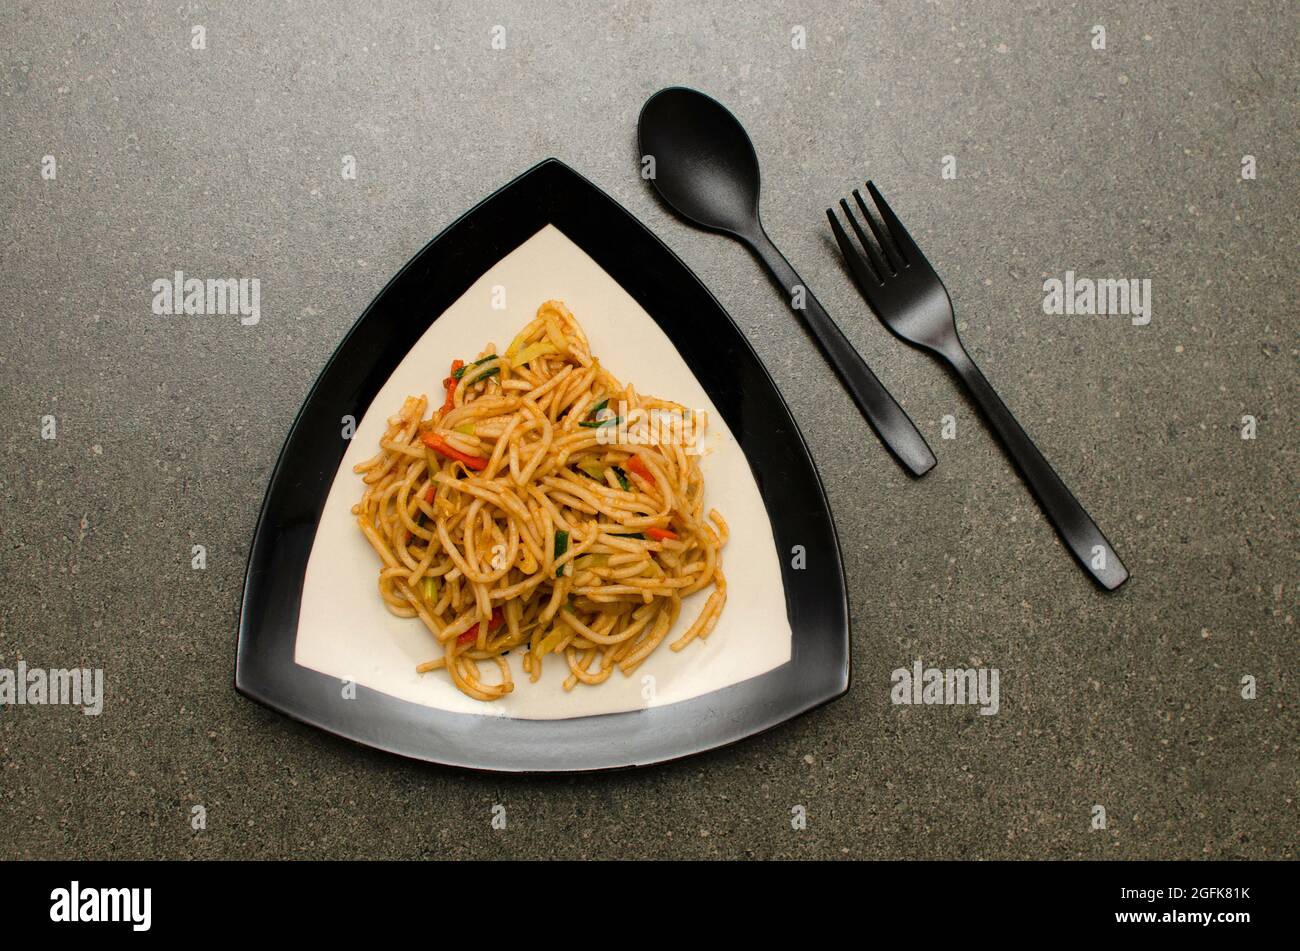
1075, 526
892, 425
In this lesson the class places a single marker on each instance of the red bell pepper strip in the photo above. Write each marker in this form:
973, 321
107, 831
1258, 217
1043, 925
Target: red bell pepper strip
450, 384
428, 496
438, 444
661, 534
634, 464
470, 636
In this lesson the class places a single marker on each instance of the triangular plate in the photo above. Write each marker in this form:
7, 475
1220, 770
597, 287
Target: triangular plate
312, 620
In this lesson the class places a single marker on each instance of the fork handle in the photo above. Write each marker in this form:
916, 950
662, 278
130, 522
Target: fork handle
895, 429
1079, 532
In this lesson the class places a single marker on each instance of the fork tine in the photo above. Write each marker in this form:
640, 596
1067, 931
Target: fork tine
862, 270
883, 268
887, 249
906, 246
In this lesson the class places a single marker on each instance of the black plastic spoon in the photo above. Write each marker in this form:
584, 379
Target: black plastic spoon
705, 167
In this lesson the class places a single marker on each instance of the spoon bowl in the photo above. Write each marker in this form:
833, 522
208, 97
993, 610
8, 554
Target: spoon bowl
705, 166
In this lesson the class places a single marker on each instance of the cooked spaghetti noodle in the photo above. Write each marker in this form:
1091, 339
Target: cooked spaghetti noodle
511, 519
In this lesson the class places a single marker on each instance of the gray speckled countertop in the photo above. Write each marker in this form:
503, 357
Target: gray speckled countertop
1123, 163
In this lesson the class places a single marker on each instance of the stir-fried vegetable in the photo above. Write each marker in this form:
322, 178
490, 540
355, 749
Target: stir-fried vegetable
597, 423
549, 642
561, 546
457, 367
470, 636
430, 588
661, 534
512, 351
637, 467
460, 371
532, 352
621, 476
593, 468
438, 444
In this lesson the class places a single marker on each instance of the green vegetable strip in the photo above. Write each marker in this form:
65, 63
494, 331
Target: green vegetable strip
561, 546
597, 423
461, 372
622, 479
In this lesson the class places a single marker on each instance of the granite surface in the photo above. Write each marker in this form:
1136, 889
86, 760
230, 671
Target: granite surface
1122, 162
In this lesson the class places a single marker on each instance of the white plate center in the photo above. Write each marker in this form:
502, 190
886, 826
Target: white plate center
345, 631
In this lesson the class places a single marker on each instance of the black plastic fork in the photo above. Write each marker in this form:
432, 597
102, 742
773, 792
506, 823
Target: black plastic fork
910, 299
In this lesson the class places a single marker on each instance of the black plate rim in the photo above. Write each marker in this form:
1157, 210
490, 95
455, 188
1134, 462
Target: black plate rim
819, 669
